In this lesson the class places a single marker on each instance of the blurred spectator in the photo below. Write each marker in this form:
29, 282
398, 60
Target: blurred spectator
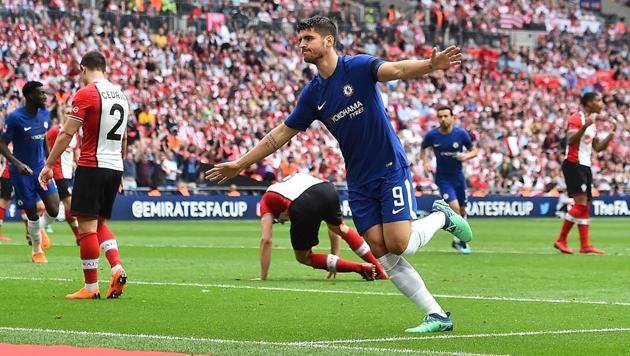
169, 166
551, 142
158, 178
233, 192
154, 191
212, 95
145, 117
288, 167
145, 170
129, 172
506, 168
182, 189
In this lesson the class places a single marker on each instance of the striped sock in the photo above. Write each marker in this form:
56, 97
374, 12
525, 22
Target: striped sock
89, 251
333, 263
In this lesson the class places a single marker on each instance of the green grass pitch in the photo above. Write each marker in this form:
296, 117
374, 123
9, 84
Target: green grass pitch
190, 290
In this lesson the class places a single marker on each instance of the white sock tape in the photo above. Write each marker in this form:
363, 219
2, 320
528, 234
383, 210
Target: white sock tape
90, 264
331, 263
109, 245
363, 249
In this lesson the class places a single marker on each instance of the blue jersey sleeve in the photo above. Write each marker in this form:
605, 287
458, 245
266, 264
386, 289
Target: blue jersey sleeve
368, 65
466, 141
8, 130
304, 112
427, 140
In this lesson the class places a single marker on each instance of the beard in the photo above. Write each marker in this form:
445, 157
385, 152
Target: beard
313, 56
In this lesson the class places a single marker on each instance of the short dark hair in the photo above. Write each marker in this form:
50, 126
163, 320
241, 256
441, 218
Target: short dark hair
445, 108
94, 60
321, 24
588, 97
30, 87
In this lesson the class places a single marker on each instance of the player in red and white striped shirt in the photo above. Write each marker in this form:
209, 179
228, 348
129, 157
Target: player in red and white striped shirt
101, 109
581, 141
307, 201
62, 173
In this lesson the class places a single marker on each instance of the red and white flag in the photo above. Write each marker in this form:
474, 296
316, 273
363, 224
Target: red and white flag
511, 21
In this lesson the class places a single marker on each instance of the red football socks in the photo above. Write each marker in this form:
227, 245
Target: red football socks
583, 224
74, 225
88, 244
574, 212
359, 246
333, 263
107, 241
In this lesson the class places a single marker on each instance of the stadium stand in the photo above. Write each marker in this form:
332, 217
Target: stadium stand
207, 79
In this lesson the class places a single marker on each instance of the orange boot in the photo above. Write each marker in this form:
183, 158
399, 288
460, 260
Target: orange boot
117, 284
46, 243
84, 294
39, 258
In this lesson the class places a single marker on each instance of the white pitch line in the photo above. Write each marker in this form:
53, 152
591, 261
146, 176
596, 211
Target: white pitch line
541, 251
531, 251
327, 291
532, 300
475, 336
307, 344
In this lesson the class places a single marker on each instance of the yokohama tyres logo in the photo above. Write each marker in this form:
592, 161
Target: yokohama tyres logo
351, 111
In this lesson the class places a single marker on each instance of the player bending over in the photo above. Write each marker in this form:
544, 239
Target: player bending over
307, 201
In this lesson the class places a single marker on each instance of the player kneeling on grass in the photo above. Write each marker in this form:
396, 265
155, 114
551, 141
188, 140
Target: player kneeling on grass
307, 201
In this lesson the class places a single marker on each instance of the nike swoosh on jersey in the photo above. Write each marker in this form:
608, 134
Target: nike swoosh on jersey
320, 107
396, 211
28, 128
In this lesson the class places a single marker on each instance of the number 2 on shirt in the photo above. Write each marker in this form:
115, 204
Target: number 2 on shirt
112, 135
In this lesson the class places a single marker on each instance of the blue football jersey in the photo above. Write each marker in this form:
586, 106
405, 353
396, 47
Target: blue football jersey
349, 104
446, 147
28, 134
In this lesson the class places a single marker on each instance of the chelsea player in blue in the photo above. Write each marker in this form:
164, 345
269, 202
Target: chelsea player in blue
448, 142
26, 128
346, 98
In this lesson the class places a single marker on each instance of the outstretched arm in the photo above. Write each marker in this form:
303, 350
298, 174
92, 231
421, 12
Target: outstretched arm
272, 141
411, 68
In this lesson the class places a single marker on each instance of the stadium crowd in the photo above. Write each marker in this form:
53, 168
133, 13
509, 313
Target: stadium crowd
208, 96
